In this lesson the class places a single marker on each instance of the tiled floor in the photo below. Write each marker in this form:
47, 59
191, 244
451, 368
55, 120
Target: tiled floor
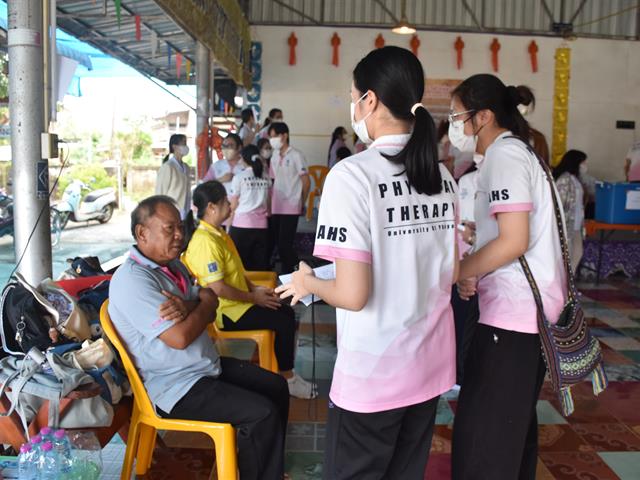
600, 441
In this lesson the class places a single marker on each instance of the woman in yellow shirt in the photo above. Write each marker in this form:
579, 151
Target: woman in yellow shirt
243, 305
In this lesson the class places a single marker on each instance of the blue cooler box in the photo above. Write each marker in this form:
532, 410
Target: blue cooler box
618, 203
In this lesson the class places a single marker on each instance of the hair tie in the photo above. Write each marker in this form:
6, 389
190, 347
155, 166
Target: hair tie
415, 107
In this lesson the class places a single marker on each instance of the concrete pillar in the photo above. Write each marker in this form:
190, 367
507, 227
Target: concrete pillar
203, 74
30, 172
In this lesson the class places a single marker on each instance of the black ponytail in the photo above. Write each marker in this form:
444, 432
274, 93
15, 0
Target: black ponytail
206, 193
190, 225
337, 133
487, 92
251, 156
396, 76
246, 115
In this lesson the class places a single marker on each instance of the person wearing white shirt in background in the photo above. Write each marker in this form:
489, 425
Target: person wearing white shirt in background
266, 152
174, 178
495, 428
224, 170
247, 131
264, 147
250, 207
632, 163
338, 139
291, 186
465, 312
275, 116
387, 219
567, 175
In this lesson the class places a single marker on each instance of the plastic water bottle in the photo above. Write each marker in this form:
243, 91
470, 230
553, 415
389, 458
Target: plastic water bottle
47, 463
62, 447
36, 443
87, 456
47, 434
27, 468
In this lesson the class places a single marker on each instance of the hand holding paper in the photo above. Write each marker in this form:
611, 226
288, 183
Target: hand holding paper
293, 284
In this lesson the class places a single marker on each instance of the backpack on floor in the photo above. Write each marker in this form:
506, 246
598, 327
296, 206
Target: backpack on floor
25, 318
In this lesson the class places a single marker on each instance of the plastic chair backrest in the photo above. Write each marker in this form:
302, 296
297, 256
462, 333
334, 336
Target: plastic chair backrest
140, 395
319, 174
73, 286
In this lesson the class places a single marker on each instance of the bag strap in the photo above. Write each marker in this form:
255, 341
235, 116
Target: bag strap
26, 368
534, 289
10, 286
564, 246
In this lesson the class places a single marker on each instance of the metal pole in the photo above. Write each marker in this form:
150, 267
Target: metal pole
46, 58
30, 171
54, 65
203, 67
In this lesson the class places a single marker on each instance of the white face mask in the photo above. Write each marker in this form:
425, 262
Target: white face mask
360, 127
181, 150
276, 143
229, 153
457, 137
583, 168
523, 109
266, 153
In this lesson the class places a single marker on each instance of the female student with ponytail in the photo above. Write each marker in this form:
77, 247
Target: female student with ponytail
250, 206
243, 305
387, 220
495, 432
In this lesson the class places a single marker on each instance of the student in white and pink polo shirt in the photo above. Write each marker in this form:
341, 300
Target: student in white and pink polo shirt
632, 163
291, 186
495, 429
387, 220
250, 206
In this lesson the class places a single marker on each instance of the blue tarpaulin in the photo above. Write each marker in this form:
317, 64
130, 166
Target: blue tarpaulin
92, 62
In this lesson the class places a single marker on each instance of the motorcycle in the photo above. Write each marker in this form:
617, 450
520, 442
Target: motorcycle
6, 215
6, 219
97, 205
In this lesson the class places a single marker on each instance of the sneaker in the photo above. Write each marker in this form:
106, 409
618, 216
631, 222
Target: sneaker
300, 388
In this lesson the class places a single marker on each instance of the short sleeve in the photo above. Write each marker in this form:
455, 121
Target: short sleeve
508, 180
301, 164
235, 186
343, 230
206, 260
210, 175
143, 314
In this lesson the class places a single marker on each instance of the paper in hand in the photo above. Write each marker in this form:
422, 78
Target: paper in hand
326, 272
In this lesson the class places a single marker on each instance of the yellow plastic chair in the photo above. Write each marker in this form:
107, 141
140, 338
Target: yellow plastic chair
318, 173
144, 421
262, 278
263, 338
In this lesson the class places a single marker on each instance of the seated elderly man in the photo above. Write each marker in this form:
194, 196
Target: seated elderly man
162, 318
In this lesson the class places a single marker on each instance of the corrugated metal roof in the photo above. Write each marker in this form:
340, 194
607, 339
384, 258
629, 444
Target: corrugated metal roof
95, 22
618, 19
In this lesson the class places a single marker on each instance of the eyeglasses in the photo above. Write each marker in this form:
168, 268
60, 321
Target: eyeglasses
452, 116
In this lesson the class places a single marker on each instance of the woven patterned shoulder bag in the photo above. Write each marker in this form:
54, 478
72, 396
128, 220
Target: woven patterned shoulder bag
572, 354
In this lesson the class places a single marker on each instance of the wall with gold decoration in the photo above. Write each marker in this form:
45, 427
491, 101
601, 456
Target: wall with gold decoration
604, 83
